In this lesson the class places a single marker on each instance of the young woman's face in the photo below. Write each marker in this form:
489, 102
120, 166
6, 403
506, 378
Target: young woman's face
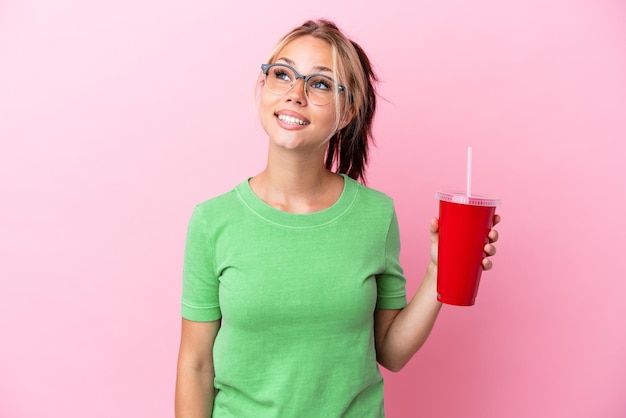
290, 119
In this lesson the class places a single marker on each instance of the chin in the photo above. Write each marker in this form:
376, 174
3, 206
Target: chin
290, 144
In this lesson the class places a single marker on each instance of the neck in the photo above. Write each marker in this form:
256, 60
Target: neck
297, 183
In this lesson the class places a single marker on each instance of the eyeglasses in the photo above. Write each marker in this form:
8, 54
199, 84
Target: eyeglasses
318, 88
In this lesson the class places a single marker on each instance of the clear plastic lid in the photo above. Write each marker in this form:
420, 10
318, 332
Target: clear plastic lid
463, 199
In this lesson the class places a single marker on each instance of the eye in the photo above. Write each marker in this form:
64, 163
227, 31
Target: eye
320, 83
281, 74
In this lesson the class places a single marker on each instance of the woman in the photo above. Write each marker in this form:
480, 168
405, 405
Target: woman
292, 287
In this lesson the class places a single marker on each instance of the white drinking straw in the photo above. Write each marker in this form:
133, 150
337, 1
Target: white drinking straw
468, 187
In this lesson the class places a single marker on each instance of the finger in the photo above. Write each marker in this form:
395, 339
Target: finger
496, 219
490, 250
493, 236
434, 225
487, 264
434, 230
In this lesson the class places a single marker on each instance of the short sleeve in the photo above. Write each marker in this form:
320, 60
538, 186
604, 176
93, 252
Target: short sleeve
391, 283
200, 294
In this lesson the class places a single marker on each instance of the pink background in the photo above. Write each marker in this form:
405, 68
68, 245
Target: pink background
117, 117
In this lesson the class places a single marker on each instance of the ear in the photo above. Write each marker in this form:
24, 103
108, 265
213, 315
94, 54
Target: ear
347, 118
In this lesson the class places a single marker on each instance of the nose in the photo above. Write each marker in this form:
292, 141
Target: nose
297, 93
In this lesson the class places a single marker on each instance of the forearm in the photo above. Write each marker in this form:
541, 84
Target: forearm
412, 326
194, 393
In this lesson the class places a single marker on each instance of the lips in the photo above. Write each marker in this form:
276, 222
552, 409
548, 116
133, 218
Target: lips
292, 120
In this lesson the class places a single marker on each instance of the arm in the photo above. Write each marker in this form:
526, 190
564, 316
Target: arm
399, 333
194, 377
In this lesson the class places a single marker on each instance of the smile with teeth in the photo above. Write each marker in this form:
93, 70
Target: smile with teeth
290, 120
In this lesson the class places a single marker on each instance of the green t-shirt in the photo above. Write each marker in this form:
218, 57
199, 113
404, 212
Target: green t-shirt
296, 294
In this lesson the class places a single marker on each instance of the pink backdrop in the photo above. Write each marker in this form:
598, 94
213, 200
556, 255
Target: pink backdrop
117, 117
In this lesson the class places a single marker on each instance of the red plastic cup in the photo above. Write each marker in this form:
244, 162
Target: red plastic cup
464, 222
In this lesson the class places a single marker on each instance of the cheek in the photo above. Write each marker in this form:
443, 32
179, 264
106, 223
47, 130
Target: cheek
264, 102
333, 118
266, 98
265, 111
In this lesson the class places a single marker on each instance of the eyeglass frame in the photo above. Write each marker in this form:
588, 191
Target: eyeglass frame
265, 68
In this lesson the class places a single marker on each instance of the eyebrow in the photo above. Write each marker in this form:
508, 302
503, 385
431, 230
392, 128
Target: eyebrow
293, 64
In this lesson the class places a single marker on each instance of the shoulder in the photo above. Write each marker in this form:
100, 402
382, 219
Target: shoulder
372, 197
217, 207
371, 206
218, 202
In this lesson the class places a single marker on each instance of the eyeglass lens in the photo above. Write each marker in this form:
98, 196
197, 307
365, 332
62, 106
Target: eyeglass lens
319, 89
